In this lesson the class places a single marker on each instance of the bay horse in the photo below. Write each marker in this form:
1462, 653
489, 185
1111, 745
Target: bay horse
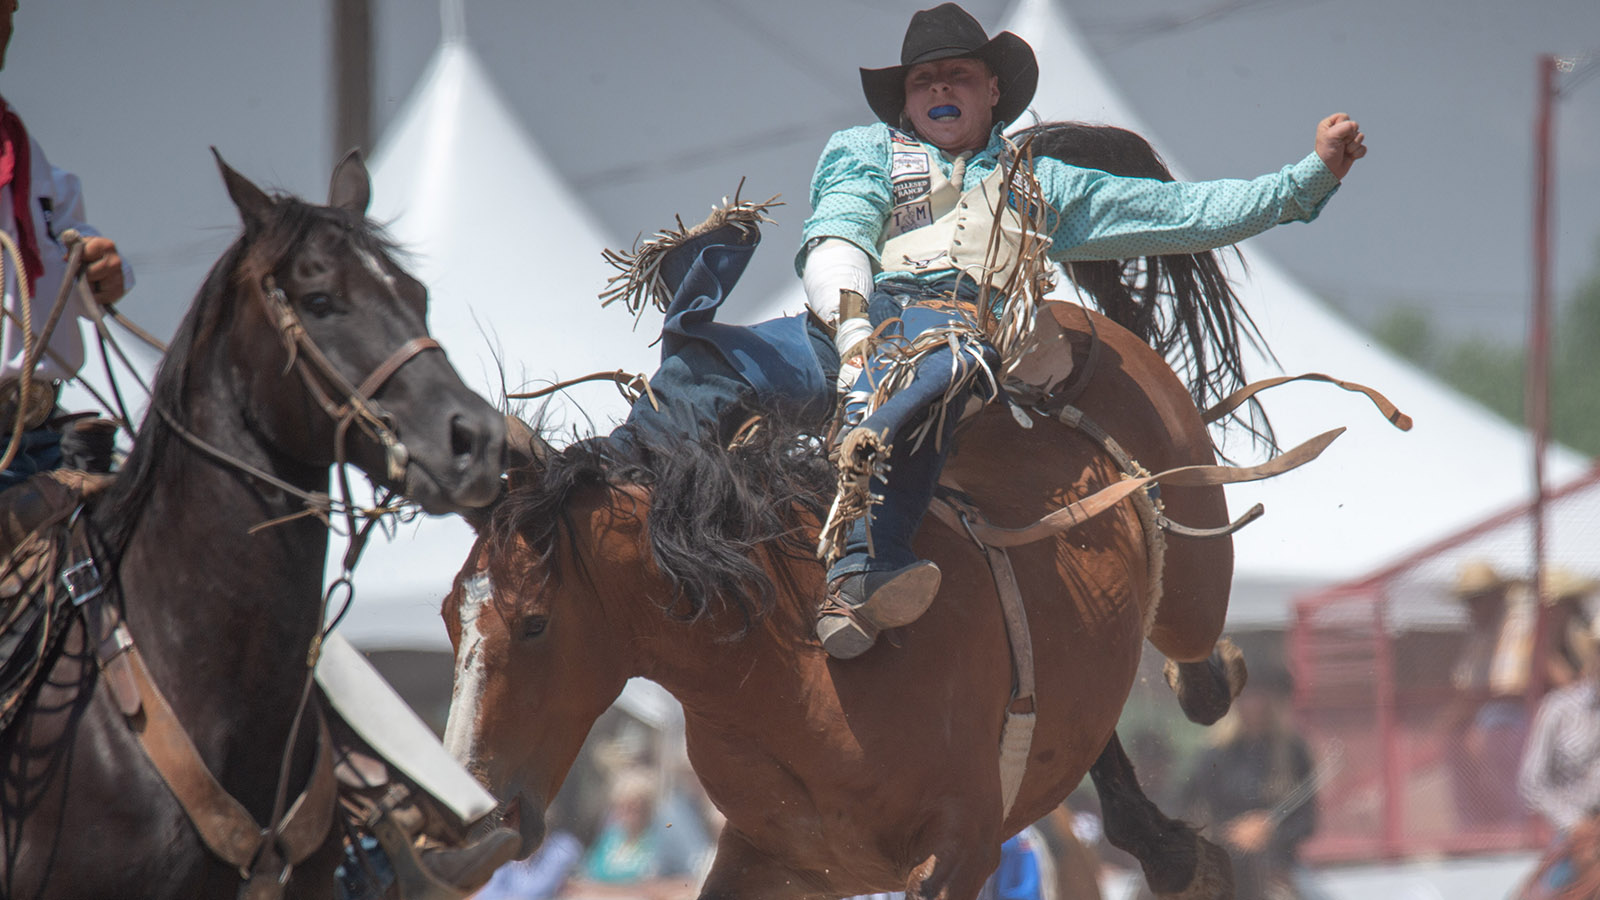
837, 778
694, 569
253, 403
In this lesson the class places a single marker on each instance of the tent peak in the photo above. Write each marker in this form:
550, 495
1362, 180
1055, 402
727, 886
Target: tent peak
452, 21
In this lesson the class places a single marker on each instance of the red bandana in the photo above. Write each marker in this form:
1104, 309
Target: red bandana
15, 171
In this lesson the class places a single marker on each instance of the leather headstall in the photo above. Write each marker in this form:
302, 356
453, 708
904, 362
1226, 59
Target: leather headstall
358, 405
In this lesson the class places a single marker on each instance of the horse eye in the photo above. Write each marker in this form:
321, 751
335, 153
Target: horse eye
317, 304
533, 626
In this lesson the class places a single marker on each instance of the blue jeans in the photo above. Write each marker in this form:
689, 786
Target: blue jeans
40, 452
913, 467
698, 395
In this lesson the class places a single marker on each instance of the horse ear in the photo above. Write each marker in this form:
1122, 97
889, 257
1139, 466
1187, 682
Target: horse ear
351, 188
255, 207
525, 449
526, 452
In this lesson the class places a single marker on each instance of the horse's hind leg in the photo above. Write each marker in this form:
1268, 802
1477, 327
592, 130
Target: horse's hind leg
1206, 689
960, 878
1205, 670
1178, 863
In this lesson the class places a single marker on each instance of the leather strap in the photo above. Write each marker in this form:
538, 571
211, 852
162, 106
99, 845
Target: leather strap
626, 381
1234, 400
1078, 512
1020, 713
398, 358
224, 825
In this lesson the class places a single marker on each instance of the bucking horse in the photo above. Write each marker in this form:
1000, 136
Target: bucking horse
1075, 521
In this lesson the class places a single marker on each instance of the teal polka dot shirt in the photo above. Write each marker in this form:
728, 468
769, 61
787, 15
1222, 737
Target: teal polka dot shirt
1097, 215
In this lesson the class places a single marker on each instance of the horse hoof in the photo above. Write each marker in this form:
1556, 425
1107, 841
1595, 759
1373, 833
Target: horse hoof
1206, 690
1213, 875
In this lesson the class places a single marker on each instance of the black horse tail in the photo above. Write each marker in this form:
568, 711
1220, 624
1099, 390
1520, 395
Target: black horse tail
1180, 304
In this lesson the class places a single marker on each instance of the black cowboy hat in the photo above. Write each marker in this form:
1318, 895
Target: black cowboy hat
948, 31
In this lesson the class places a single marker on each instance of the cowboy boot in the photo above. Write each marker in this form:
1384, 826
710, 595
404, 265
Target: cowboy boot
471, 865
862, 604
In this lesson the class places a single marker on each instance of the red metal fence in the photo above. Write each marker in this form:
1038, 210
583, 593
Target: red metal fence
1414, 763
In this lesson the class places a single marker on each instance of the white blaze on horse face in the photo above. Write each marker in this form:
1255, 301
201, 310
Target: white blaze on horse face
375, 268
466, 698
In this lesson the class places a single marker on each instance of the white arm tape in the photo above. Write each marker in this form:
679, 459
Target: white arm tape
851, 332
832, 266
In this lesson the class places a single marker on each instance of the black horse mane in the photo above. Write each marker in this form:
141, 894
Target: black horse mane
1180, 304
237, 273
711, 509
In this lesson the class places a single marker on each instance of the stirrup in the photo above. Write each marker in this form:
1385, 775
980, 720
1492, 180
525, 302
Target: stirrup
412, 877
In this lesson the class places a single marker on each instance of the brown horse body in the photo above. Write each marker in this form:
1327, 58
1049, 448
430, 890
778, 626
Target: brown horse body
882, 772
224, 616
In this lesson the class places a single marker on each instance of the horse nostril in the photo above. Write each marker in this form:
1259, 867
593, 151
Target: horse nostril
464, 440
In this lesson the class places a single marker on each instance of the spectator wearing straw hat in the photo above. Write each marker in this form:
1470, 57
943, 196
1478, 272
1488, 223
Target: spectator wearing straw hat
1486, 721
1560, 774
1569, 620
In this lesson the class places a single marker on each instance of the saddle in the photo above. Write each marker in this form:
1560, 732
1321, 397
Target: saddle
41, 536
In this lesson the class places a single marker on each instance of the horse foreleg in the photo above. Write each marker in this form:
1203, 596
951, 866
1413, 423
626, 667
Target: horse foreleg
1178, 863
1207, 688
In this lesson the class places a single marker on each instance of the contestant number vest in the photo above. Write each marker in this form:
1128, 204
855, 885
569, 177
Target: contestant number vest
934, 226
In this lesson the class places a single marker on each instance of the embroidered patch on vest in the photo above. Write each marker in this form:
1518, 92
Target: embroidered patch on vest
910, 184
915, 215
915, 163
1019, 190
910, 189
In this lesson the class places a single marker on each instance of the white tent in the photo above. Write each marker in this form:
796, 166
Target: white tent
1377, 492
512, 262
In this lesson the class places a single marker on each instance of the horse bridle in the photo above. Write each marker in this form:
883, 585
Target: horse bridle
318, 374
358, 405
257, 857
